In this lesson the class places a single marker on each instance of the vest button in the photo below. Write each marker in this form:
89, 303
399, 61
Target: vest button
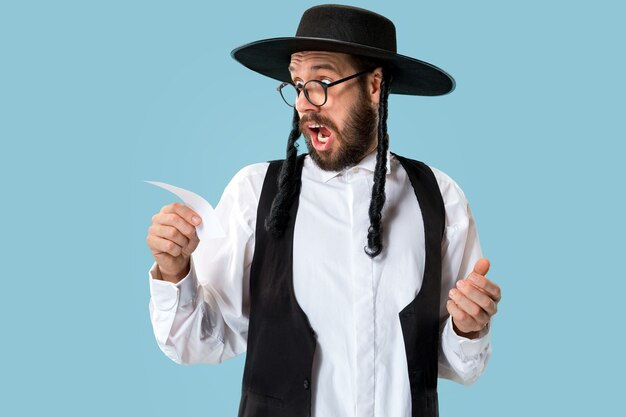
306, 384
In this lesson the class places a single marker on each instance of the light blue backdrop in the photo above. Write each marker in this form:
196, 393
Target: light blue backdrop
96, 97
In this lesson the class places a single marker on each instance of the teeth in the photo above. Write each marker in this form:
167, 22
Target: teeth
315, 126
321, 138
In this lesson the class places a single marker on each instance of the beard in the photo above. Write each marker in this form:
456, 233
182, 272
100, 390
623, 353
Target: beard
353, 142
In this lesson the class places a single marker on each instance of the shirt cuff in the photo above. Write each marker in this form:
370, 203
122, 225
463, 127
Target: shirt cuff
167, 295
468, 349
467, 357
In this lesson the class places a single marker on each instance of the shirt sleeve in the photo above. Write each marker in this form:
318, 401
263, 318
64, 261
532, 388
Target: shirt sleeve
460, 359
204, 317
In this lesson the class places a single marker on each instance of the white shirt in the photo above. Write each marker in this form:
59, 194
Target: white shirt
351, 300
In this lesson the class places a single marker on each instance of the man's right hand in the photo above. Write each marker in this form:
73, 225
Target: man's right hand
172, 239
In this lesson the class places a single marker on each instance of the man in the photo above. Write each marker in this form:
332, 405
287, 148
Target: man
352, 277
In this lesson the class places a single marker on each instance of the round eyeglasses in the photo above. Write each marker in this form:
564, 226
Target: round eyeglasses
315, 91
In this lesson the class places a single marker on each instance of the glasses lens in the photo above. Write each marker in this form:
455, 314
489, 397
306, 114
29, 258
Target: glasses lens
289, 93
316, 92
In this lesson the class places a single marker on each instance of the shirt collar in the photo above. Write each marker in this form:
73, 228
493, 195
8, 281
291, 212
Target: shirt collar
368, 163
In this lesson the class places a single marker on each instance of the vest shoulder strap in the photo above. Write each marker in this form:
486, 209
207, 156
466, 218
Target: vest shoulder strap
425, 184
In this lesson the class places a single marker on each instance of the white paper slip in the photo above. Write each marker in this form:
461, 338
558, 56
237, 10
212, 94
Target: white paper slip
210, 228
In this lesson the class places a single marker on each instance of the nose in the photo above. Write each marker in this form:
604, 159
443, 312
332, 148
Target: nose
304, 105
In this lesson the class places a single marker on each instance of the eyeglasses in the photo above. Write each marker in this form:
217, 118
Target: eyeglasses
315, 91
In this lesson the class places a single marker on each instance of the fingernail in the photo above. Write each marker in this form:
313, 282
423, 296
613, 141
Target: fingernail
460, 284
452, 293
195, 220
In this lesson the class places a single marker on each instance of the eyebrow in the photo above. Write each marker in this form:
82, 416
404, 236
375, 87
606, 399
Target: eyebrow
317, 67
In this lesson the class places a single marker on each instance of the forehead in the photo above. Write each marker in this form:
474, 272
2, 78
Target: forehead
316, 60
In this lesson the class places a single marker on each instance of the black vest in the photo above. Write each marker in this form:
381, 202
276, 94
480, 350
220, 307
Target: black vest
281, 342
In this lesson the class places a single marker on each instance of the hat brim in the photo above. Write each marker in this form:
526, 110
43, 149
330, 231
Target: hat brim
271, 57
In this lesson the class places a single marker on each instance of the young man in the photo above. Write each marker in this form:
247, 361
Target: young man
352, 277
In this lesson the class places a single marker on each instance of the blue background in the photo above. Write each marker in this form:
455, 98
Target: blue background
96, 97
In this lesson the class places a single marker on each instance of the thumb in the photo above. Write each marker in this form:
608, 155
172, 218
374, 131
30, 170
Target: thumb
482, 266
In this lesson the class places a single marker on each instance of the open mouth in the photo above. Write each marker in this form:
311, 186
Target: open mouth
320, 132
320, 136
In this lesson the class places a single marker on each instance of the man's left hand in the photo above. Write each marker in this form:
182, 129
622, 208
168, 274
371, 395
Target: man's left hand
474, 301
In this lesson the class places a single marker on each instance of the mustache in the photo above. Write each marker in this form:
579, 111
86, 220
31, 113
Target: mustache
308, 119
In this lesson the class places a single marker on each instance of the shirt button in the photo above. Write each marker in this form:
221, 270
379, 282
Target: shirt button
306, 384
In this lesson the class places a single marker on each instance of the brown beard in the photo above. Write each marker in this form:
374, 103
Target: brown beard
354, 141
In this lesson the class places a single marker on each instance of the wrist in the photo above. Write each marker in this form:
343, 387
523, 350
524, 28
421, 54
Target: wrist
467, 335
173, 278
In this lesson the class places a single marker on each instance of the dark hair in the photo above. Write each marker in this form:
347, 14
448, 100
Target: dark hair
375, 231
288, 183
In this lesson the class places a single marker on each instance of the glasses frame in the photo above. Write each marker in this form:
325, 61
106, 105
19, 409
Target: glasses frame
325, 87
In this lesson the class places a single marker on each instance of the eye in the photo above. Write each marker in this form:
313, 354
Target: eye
298, 84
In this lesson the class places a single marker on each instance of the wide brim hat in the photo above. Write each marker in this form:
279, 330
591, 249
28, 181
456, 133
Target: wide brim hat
349, 30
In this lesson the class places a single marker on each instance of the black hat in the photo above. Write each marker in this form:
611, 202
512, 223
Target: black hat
349, 30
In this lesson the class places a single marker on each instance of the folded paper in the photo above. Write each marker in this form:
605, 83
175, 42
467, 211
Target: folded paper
210, 227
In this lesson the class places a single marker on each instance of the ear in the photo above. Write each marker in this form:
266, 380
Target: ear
375, 79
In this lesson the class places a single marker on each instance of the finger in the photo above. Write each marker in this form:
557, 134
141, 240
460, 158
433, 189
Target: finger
191, 245
174, 220
487, 286
463, 321
159, 246
170, 233
478, 297
482, 266
183, 211
470, 307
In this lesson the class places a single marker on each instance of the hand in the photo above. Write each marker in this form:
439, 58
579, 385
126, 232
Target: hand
474, 301
172, 239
